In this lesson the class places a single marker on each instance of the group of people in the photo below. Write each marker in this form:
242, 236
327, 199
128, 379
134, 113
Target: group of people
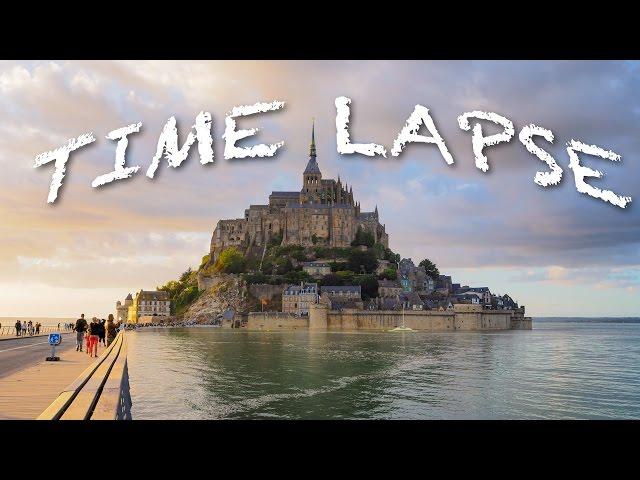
27, 328
97, 331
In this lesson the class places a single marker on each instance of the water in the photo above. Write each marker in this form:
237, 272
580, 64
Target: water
556, 371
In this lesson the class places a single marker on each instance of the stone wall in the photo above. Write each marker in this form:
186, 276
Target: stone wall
276, 321
462, 318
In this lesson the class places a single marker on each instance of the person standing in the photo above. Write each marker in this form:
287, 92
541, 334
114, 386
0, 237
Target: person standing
18, 328
79, 328
112, 329
102, 332
38, 328
58, 325
24, 328
94, 331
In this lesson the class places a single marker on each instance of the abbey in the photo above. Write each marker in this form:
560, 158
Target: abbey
323, 212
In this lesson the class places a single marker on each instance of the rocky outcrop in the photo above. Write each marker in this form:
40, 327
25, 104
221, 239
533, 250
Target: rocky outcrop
226, 292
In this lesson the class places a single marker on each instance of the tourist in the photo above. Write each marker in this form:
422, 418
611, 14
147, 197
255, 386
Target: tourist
80, 327
112, 329
87, 337
24, 328
94, 329
102, 332
38, 328
18, 328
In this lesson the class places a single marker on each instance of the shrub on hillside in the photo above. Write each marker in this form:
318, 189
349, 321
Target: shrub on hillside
389, 274
230, 260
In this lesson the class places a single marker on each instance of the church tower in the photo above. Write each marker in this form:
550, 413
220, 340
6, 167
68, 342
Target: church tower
312, 177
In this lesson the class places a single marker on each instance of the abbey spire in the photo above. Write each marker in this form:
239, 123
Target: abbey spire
312, 164
312, 147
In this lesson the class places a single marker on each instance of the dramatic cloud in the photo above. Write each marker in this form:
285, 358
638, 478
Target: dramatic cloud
498, 228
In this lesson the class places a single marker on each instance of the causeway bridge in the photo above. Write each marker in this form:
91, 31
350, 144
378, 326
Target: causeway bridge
101, 392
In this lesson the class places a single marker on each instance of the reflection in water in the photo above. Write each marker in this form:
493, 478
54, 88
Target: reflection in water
555, 371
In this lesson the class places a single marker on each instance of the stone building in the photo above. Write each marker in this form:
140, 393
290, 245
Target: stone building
414, 279
323, 212
444, 283
148, 303
317, 269
297, 298
337, 297
122, 309
389, 288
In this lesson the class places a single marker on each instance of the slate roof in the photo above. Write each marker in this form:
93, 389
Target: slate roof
312, 166
297, 289
340, 288
152, 295
285, 194
367, 216
315, 264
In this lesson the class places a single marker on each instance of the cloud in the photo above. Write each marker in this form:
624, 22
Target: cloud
151, 230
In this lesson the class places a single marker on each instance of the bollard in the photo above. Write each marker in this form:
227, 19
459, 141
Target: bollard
55, 339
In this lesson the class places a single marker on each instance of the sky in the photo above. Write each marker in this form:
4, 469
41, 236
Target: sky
555, 250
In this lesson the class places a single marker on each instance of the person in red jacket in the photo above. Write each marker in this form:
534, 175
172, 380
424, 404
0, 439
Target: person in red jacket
94, 331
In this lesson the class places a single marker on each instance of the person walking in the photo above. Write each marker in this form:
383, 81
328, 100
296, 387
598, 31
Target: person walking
18, 328
94, 331
112, 329
58, 325
38, 325
80, 327
24, 328
87, 336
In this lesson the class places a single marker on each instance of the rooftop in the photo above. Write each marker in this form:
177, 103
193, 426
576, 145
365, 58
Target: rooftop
340, 289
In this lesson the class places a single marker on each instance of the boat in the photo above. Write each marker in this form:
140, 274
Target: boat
403, 327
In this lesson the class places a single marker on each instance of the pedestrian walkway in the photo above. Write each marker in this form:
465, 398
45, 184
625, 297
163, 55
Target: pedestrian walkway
27, 393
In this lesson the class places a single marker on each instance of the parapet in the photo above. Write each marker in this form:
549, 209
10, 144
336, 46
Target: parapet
467, 307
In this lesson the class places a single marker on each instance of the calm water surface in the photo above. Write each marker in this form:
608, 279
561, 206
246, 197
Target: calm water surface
556, 371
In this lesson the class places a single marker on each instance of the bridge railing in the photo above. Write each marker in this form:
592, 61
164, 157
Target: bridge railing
11, 329
101, 392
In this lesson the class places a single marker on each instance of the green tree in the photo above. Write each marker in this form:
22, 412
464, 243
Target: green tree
275, 240
368, 286
363, 238
359, 260
204, 261
257, 277
230, 261
297, 276
331, 279
346, 276
267, 266
430, 268
283, 265
173, 287
186, 297
389, 274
